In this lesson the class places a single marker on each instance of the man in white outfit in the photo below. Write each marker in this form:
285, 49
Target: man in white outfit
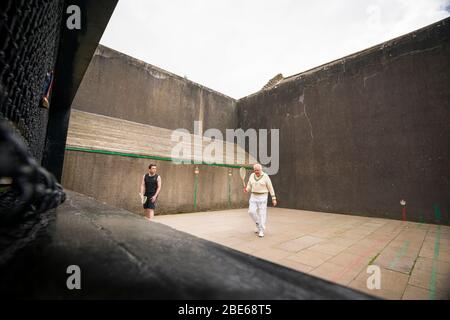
259, 184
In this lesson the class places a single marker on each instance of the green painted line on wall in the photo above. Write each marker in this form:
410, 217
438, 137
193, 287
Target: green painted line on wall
134, 155
437, 212
195, 190
229, 189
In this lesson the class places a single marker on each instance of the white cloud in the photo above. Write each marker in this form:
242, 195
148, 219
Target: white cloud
235, 46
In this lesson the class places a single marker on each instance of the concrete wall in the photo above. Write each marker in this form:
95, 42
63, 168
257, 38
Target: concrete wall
357, 135
116, 180
123, 87
361, 133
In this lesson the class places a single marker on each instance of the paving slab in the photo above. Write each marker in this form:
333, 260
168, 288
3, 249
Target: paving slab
414, 257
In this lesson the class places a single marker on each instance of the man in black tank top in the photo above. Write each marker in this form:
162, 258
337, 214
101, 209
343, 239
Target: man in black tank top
150, 187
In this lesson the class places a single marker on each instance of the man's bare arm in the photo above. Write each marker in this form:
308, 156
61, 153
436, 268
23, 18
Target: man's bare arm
158, 189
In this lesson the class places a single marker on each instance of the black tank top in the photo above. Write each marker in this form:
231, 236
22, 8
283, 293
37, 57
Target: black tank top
151, 184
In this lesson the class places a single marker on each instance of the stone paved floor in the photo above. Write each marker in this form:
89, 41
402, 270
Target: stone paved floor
414, 258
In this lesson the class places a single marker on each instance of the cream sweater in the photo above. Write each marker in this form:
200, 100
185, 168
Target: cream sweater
263, 184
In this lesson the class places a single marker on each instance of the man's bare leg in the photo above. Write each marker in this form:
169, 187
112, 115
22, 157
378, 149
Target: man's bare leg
152, 213
148, 214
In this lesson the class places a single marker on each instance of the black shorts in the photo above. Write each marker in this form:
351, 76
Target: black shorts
149, 204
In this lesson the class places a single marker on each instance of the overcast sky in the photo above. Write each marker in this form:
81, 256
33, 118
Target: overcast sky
236, 46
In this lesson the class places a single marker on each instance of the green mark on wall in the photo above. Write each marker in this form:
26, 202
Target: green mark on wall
229, 188
195, 187
437, 212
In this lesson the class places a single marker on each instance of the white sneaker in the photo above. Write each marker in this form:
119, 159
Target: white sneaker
261, 234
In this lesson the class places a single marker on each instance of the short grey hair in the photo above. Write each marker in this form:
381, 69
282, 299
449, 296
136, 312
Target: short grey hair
257, 165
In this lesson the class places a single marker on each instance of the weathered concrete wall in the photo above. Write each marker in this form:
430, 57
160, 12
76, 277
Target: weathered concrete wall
123, 87
116, 180
359, 134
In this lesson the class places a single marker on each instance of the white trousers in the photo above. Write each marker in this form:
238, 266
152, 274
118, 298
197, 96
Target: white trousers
258, 209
